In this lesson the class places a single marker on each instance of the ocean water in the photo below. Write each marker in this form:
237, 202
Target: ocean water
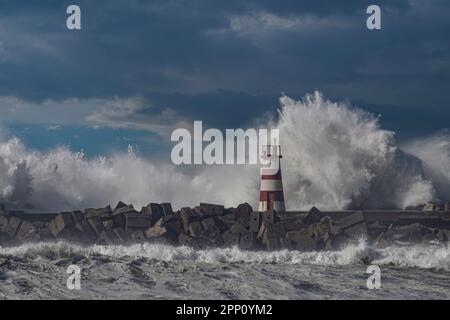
154, 271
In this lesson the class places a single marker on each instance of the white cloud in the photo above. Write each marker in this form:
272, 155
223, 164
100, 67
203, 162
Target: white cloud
113, 113
258, 22
127, 113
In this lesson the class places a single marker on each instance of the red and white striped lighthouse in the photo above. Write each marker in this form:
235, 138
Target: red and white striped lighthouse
271, 194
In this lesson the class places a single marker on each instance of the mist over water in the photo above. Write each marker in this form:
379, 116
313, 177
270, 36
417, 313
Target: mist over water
336, 156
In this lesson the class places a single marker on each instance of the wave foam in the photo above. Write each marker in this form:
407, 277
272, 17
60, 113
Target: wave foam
419, 256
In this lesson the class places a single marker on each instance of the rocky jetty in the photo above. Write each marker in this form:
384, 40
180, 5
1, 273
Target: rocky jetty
212, 225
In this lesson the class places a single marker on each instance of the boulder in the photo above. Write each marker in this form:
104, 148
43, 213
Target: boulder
12, 226
247, 240
273, 231
3, 211
3, 223
211, 232
301, 240
269, 217
357, 231
415, 233
104, 238
294, 224
108, 224
122, 208
137, 221
167, 208
45, 234
201, 211
156, 231
237, 228
184, 239
120, 204
195, 229
88, 233
156, 211
430, 207
351, 220
27, 231
230, 239
97, 213
273, 244
313, 216
213, 209
255, 219
174, 226
225, 222
121, 235
60, 222
137, 236
243, 214
96, 225
381, 240
187, 216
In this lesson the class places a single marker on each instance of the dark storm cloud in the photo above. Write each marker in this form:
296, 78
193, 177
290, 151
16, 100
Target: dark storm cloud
227, 61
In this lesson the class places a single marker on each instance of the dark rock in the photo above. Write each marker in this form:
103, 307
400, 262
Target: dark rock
313, 216
89, 234
120, 204
108, 224
137, 236
121, 235
226, 221
430, 207
187, 216
3, 211
273, 244
351, 220
96, 225
122, 208
156, 211
230, 239
273, 231
184, 239
12, 226
211, 232
213, 209
167, 209
237, 228
104, 238
293, 224
247, 240
156, 231
269, 217
357, 231
301, 240
27, 231
243, 213
174, 226
61, 221
98, 213
195, 229
255, 219
137, 221
3, 223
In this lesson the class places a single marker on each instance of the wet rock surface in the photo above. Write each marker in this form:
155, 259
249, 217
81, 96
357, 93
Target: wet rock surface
212, 225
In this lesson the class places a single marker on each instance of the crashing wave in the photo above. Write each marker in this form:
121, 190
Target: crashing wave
335, 157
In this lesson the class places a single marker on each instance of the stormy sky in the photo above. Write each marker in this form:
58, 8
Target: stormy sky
138, 69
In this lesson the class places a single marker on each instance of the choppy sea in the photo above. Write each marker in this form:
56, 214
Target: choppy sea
154, 271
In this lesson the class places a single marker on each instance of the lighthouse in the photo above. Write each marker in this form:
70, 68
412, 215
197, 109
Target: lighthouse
271, 194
